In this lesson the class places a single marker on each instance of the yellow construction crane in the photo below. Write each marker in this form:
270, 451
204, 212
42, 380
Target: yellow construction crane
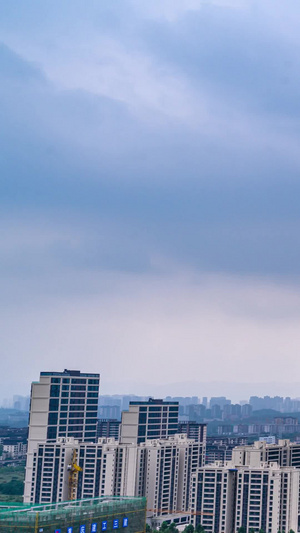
73, 469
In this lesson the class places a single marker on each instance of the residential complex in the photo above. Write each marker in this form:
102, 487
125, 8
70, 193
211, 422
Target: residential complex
158, 469
153, 454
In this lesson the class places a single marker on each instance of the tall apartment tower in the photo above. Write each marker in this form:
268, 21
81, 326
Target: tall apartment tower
63, 404
152, 419
164, 470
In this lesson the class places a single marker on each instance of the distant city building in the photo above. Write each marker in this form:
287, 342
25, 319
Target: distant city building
21, 403
246, 410
14, 450
109, 411
196, 412
216, 412
110, 400
219, 400
205, 401
232, 412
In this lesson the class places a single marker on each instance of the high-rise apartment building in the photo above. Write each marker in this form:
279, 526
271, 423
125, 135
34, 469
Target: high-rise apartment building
63, 404
164, 473
212, 495
260, 498
152, 419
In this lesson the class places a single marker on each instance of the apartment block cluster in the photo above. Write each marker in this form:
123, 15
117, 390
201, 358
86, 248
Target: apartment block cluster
149, 458
257, 490
153, 455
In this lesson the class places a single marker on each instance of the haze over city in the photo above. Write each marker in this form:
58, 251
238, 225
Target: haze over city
150, 195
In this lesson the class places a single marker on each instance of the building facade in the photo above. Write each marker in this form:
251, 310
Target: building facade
108, 428
152, 419
161, 470
263, 497
63, 404
193, 430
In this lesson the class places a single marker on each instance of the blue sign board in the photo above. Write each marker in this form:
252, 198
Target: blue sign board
116, 523
70, 530
94, 528
57, 531
82, 529
125, 522
104, 525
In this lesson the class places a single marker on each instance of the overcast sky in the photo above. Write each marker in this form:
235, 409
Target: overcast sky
150, 194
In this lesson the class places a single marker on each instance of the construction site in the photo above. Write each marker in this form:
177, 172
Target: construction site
95, 515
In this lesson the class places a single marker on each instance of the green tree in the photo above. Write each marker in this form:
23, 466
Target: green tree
199, 529
189, 529
164, 526
148, 529
242, 529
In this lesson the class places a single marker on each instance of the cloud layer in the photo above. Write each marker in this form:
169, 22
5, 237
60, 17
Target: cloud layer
150, 188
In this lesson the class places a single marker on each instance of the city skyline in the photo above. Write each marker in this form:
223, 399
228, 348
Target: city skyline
227, 393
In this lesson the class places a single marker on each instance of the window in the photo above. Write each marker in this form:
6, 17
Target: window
53, 405
54, 391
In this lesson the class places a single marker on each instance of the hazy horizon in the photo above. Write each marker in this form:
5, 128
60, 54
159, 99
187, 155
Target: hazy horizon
236, 392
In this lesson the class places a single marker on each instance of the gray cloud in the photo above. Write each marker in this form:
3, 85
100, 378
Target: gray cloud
140, 142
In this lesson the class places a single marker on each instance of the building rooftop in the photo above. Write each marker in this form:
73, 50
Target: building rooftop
153, 401
67, 372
